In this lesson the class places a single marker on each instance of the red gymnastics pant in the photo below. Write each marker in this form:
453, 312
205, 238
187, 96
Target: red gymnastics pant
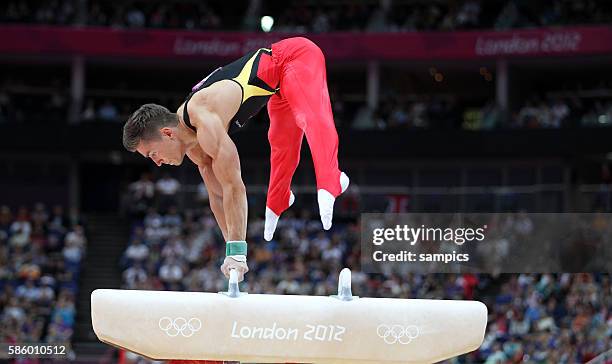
301, 107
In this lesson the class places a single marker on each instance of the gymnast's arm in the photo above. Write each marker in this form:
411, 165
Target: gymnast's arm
215, 194
215, 142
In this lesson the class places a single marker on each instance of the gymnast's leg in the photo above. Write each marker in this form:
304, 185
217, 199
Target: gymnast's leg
304, 86
285, 143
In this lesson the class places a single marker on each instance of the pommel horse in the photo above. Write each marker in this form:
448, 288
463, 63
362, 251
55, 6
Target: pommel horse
236, 326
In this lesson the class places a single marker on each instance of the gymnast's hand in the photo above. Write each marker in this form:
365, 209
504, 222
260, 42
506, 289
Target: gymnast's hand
231, 262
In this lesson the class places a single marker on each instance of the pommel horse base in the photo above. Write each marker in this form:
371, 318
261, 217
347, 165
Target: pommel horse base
277, 329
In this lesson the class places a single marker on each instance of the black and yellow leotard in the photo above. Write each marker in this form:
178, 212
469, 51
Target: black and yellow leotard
255, 92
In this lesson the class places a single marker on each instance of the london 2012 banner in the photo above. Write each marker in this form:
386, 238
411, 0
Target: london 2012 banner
472, 45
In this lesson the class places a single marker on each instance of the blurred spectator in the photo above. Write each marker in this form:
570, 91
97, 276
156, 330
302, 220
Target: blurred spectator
142, 193
134, 276
28, 291
167, 188
74, 248
20, 229
76, 237
171, 273
136, 252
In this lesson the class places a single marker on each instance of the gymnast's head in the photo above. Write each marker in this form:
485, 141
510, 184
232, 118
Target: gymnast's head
153, 131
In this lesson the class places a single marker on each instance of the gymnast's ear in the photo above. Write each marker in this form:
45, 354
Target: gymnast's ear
167, 131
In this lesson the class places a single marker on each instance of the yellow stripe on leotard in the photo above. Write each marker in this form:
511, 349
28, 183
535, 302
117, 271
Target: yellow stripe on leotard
244, 76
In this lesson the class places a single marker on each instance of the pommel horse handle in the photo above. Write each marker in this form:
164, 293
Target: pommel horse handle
233, 279
344, 285
233, 290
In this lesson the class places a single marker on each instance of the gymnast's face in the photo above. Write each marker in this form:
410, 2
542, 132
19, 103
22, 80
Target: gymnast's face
167, 149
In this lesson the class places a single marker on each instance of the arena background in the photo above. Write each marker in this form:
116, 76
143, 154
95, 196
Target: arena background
441, 106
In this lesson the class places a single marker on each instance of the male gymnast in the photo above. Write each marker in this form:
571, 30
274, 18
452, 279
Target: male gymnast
290, 77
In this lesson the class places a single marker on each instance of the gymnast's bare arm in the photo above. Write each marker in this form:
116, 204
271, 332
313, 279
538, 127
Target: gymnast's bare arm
215, 193
215, 142
225, 167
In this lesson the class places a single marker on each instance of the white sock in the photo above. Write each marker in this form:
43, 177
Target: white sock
344, 181
326, 202
272, 219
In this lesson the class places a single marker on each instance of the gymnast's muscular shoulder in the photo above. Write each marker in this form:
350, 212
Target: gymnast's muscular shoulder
222, 98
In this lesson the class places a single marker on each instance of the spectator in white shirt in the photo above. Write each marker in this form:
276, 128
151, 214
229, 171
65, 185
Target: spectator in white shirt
136, 252
171, 272
76, 237
167, 188
21, 229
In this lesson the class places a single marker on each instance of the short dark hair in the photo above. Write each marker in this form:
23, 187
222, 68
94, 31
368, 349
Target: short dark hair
144, 124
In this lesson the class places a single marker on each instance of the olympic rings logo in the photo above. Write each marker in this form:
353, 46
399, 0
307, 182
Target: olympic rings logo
392, 334
180, 326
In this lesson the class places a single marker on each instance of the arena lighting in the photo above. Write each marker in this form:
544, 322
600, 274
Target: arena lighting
286, 328
266, 23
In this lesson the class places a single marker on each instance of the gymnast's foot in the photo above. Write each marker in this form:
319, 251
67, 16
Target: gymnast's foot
326, 202
272, 219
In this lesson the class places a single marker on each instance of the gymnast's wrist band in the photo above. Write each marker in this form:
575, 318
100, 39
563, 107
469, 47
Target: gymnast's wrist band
236, 248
